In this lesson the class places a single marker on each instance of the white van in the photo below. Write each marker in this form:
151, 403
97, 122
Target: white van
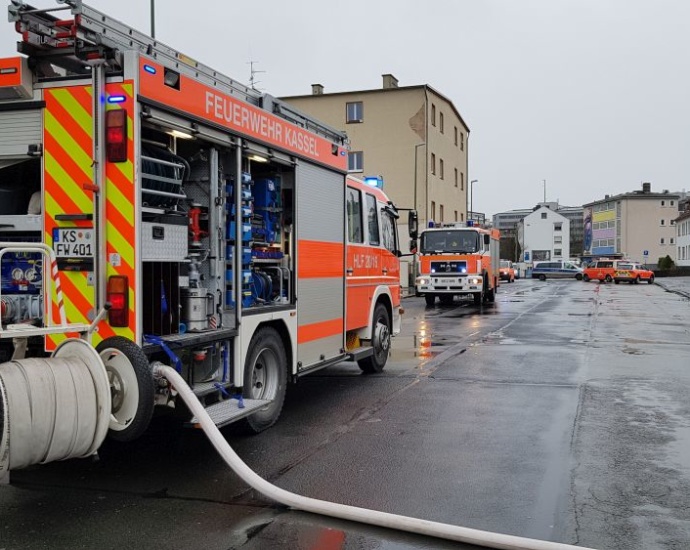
556, 269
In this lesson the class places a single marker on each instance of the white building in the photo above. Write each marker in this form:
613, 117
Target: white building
544, 235
682, 224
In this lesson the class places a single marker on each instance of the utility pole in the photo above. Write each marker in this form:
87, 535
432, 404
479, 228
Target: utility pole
153, 18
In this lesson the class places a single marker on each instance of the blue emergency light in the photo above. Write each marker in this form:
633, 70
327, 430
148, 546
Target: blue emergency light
374, 181
116, 99
150, 69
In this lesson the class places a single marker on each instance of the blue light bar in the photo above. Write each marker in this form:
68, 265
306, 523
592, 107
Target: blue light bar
374, 181
116, 99
150, 69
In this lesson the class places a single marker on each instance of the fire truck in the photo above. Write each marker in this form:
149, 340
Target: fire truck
188, 219
458, 260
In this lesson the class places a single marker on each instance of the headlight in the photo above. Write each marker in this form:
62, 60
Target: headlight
475, 280
422, 281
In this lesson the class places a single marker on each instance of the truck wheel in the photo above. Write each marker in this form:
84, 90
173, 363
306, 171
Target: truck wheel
585, 278
542, 277
608, 279
429, 299
490, 295
477, 298
265, 377
131, 388
651, 280
380, 341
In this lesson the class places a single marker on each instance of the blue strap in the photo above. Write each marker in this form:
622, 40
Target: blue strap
157, 340
225, 392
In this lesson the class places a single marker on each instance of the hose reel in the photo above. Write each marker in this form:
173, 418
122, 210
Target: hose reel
53, 408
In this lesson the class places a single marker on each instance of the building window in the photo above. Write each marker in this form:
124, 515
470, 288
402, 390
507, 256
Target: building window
440, 122
671, 203
355, 161
543, 215
557, 252
462, 181
456, 177
462, 217
663, 203
433, 114
441, 212
462, 141
354, 112
455, 135
558, 240
557, 226
661, 241
662, 222
672, 241
440, 168
433, 211
455, 215
433, 163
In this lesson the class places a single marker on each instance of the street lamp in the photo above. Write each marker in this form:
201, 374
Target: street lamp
472, 196
153, 19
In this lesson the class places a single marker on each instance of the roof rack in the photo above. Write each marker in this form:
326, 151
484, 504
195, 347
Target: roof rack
89, 35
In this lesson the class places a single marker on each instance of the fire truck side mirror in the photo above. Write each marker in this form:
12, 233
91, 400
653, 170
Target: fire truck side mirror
487, 240
413, 225
413, 246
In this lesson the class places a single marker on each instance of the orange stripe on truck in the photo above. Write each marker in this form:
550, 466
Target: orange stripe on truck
316, 331
318, 259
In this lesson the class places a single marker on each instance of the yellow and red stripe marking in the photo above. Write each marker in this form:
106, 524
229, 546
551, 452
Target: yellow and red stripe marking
68, 158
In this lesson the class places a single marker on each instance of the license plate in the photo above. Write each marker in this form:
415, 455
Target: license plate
73, 243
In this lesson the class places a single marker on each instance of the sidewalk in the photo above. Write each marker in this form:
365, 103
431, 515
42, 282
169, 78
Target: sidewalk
677, 285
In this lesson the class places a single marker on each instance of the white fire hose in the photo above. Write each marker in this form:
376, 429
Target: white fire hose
343, 511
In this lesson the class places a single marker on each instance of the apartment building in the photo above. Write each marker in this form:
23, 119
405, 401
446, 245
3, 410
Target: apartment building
507, 223
544, 234
639, 225
412, 136
682, 224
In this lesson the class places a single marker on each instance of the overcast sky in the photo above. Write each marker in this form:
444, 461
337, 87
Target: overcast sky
592, 96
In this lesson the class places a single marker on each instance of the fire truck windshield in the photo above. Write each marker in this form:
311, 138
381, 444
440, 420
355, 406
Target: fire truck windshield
451, 240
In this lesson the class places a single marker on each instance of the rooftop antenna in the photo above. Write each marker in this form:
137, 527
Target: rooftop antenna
252, 75
544, 181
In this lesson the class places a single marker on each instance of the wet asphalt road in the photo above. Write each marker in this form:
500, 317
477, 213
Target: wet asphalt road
561, 412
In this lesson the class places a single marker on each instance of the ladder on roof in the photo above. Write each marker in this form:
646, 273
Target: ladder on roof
72, 43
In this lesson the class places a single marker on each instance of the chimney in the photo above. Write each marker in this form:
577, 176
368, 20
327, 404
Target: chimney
316, 89
389, 81
646, 187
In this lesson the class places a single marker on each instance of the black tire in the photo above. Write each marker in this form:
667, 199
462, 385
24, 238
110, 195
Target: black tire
265, 377
380, 341
651, 280
578, 277
585, 278
127, 366
477, 298
430, 299
490, 295
608, 279
542, 277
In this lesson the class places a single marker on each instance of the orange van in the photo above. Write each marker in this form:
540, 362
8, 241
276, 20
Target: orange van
602, 270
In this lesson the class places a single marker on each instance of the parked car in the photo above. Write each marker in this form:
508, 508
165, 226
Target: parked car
557, 269
632, 273
602, 270
506, 271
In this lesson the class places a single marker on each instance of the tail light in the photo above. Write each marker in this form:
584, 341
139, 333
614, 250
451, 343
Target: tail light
116, 135
118, 296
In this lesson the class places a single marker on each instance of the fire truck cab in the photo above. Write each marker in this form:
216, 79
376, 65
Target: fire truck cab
215, 224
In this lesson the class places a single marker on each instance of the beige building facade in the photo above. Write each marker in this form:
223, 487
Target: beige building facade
411, 136
639, 225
